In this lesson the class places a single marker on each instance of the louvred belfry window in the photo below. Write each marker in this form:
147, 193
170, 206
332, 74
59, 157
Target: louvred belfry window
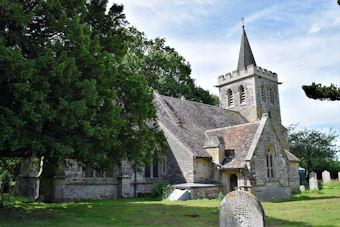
271, 96
230, 98
263, 94
242, 94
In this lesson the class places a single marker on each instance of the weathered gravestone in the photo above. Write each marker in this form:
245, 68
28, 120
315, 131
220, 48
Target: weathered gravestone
339, 175
326, 176
313, 181
240, 208
302, 188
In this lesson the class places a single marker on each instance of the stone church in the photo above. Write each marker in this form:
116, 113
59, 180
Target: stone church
239, 145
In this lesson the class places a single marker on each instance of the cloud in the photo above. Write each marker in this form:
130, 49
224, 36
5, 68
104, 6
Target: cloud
295, 39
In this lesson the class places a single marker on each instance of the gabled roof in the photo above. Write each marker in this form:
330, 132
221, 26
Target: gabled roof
291, 157
245, 57
188, 120
238, 138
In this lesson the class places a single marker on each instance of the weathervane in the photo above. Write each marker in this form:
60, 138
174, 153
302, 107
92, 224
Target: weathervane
242, 18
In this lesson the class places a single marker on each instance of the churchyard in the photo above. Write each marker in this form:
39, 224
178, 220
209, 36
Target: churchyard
317, 208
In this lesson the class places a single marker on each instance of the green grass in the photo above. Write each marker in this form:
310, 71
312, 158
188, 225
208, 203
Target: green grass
320, 208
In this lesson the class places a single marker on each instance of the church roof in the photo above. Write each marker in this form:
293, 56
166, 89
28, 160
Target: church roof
237, 138
188, 120
291, 157
245, 57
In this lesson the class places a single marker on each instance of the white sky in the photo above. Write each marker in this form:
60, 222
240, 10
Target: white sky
299, 40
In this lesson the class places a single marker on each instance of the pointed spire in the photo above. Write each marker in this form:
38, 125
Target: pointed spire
245, 57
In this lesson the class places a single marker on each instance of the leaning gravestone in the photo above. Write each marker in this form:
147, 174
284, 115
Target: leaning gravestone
302, 188
240, 208
313, 181
326, 176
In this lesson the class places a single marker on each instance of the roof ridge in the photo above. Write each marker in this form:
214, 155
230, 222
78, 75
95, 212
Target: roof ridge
229, 127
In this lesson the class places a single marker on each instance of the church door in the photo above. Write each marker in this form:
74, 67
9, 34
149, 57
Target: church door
233, 182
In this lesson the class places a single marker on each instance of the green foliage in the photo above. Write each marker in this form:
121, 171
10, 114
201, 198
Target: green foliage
164, 69
220, 196
65, 91
316, 150
161, 189
316, 91
8, 201
9, 169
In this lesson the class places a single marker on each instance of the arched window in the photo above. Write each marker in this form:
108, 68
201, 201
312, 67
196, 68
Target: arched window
263, 94
271, 96
269, 162
242, 94
230, 98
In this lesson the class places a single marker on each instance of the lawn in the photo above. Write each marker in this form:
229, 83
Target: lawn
320, 208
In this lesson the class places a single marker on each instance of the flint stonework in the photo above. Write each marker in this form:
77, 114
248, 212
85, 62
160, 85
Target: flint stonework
240, 208
313, 181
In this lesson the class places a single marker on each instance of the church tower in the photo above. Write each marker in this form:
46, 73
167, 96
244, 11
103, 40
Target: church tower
250, 89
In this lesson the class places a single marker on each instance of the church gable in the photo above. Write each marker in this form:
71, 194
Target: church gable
269, 161
237, 141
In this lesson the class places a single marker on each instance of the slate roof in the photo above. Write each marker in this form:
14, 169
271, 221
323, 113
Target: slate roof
291, 157
245, 57
188, 120
237, 138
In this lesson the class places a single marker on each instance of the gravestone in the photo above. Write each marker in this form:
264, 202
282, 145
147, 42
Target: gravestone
313, 181
339, 176
302, 188
240, 208
326, 176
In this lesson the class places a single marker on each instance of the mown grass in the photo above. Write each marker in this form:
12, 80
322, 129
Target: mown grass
320, 208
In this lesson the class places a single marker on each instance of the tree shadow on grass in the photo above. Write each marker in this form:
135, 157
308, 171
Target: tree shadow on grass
276, 222
126, 212
303, 198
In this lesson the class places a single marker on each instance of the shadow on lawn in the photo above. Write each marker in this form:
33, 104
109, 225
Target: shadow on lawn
126, 212
276, 222
303, 198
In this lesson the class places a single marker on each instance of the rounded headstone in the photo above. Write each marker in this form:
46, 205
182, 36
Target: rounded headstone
313, 181
302, 188
326, 176
240, 208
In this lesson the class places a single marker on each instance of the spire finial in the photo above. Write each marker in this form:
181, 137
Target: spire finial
242, 18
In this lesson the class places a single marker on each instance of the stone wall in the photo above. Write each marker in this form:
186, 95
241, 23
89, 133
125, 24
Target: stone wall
294, 178
205, 192
90, 188
276, 187
271, 191
202, 169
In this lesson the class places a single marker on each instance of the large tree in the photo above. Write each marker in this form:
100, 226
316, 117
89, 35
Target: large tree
316, 150
64, 91
164, 68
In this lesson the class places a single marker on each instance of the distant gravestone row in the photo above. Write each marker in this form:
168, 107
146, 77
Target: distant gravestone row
313, 180
240, 208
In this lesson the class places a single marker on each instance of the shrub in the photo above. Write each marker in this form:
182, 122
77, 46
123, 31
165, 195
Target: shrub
8, 201
220, 196
161, 189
